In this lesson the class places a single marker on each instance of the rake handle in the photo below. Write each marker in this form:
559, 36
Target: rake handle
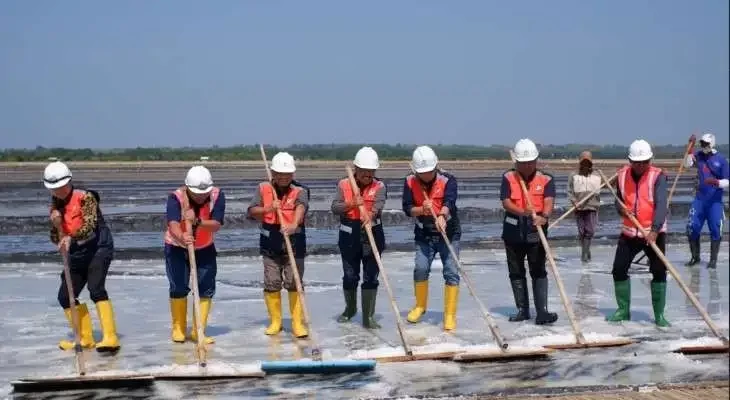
316, 352
715, 330
378, 260
200, 350
578, 204
78, 351
485, 313
566, 301
690, 146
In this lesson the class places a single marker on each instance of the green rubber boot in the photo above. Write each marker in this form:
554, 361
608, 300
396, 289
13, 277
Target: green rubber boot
622, 290
658, 300
350, 306
368, 308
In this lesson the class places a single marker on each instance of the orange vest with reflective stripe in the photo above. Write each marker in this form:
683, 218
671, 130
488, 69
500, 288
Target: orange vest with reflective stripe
368, 194
73, 217
535, 188
639, 198
436, 194
203, 237
287, 202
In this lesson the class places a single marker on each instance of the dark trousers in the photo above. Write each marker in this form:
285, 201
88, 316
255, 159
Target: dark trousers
87, 271
516, 254
587, 221
177, 268
351, 261
627, 248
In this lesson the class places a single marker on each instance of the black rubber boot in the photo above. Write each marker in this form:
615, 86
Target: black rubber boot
350, 306
588, 248
539, 290
522, 300
694, 248
714, 249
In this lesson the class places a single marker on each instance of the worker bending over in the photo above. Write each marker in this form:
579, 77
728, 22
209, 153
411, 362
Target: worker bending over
79, 230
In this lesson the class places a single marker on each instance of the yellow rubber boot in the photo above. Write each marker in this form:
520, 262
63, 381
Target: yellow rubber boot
205, 304
297, 321
421, 289
110, 341
179, 314
273, 306
86, 332
451, 299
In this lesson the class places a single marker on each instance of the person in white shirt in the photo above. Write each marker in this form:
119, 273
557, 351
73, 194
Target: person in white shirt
582, 183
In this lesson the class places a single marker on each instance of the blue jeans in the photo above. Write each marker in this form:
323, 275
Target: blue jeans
178, 271
426, 252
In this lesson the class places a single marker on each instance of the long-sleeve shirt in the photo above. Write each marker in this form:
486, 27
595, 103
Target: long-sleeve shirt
90, 213
580, 186
661, 196
712, 165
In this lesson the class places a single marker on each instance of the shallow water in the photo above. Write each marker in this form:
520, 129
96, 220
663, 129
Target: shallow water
31, 323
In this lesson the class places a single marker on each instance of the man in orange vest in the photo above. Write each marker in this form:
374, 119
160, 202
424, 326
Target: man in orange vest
204, 205
642, 187
293, 201
79, 230
353, 241
519, 230
441, 189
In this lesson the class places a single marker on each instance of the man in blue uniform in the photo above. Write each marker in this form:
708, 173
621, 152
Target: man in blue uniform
712, 179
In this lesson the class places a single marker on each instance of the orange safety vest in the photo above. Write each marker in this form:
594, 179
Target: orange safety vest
436, 194
638, 198
287, 202
369, 193
203, 237
535, 188
73, 217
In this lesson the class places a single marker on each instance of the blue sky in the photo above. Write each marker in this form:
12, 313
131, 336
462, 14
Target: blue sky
168, 73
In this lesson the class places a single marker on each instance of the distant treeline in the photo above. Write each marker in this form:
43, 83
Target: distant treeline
322, 152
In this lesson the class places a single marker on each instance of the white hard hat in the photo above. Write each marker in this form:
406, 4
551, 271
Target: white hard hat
283, 163
424, 159
367, 158
199, 180
56, 175
640, 150
708, 138
525, 150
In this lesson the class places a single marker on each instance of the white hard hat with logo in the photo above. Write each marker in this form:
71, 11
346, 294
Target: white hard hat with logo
424, 159
367, 158
525, 151
199, 180
640, 150
56, 175
283, 163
